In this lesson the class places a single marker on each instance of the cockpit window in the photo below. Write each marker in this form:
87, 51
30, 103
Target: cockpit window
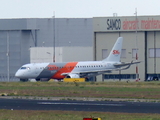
25, 68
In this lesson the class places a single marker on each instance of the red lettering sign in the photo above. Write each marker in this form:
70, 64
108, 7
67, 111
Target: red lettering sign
116, 52
130, 25
150, 24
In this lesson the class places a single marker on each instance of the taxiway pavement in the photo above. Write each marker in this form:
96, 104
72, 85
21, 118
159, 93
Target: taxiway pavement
70, 105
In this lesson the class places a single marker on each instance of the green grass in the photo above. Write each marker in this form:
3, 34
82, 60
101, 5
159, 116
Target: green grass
139, 90
72, 115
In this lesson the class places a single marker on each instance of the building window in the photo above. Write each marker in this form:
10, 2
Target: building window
104, 53
151, 52
123, 53
154, 52
119, 76
157, 52
134, 53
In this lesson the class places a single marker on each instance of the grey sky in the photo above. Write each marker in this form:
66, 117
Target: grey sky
76, 8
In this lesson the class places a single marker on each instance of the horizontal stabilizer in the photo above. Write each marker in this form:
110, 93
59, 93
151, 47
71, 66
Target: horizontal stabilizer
127, 63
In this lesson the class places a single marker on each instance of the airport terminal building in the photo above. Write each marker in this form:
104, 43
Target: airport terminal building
18, 36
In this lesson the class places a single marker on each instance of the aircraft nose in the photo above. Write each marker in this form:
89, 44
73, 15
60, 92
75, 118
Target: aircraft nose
18, 74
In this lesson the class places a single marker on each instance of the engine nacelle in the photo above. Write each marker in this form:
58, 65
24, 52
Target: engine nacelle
72, 76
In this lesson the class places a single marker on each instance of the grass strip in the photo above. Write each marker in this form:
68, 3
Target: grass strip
72, 115
137, 90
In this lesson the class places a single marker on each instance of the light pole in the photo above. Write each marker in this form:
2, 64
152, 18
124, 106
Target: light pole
54, 46
136, 20
7, 54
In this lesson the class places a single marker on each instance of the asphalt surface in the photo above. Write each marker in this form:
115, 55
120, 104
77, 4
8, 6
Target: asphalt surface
101, 106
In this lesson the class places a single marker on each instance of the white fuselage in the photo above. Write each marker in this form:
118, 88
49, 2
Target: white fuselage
56, 70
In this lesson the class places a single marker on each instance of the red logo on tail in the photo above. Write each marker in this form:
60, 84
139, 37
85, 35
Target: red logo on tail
116, 52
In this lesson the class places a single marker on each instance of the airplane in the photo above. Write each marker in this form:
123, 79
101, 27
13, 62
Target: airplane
82, 69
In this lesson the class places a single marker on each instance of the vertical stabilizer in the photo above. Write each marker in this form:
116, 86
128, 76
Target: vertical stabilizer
115, 53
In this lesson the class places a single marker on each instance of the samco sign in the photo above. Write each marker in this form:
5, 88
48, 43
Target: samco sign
127, 23
113, 24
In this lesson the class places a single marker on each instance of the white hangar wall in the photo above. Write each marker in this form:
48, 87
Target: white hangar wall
62, 54
108, 29
74, 53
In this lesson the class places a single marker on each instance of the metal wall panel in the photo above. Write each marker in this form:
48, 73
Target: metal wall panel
68, 32
153, 41
13, 24
129, 43
157, 45
150, 44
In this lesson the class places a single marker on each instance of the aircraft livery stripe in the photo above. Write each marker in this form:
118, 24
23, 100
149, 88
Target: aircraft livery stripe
67, 68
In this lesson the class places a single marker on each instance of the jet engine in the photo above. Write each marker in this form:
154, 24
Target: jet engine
72, 76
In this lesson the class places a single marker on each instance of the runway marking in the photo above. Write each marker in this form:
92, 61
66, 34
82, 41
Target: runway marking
53, 103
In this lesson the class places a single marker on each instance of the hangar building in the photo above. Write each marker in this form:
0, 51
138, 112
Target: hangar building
108, 29
17, 36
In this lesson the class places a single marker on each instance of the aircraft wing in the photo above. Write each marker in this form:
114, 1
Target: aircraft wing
97, 72
89, 72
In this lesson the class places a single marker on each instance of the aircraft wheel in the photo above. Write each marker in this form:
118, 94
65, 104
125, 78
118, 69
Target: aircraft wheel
37, 80
23, 80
